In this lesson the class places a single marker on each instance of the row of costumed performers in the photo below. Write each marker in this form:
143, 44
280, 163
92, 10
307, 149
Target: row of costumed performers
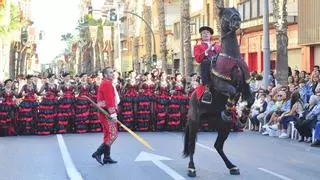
59, 111
151, 105
156, 105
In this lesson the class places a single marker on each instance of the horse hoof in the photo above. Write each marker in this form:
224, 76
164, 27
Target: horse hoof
192, 173
235, 171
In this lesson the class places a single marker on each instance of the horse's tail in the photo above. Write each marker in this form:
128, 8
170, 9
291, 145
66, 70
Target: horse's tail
190, 137
191, 130
186, 151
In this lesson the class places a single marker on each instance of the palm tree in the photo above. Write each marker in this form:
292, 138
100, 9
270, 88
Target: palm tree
148, 40
219, 4
135, 39
281, 26
185, 14
162, 33
6, 30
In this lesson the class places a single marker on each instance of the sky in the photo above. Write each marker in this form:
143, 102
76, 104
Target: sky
60, 17
54, 18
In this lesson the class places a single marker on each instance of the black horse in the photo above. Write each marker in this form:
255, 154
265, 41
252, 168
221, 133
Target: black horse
229, 82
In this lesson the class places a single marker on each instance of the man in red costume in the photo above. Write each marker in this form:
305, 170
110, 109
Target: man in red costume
108, 99
202, 53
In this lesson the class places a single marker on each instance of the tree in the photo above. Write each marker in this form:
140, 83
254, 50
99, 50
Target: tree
162, 33
148, 39
281, 25
135, 43
219, 4
66, 37
185, 4
14, 24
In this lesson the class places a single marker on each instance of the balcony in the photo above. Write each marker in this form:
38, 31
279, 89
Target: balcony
257, 23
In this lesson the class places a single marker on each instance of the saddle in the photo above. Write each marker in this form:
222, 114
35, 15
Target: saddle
223, 66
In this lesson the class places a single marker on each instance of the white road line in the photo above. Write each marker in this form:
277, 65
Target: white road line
275, 174
72, 172
205, 147
168, 170
261, 169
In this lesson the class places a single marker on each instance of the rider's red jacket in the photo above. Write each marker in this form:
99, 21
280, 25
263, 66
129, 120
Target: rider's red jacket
199, 51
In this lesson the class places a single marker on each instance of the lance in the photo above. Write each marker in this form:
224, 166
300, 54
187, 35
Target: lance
140, 139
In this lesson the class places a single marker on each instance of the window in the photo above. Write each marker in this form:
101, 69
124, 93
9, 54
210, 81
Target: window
177, 30
254, 8
240, 9
270, 6
246, 10
208, 14
193, 26
196, 24
203, 20
249, 9
261, 5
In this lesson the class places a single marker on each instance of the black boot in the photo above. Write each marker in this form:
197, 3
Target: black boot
207, 97
97, 155
302, 139
107, 159
316, 143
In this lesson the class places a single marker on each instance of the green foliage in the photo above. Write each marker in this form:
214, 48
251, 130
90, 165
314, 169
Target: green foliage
15, 22
66, 37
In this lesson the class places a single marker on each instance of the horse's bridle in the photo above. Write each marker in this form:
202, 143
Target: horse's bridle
230, 25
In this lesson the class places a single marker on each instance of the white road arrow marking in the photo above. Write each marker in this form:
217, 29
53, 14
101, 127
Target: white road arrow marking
156, 159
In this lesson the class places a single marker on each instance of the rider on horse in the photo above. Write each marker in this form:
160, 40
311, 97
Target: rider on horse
203, 53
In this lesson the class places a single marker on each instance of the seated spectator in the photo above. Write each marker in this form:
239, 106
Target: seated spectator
259, 107
264, 117
305, 91
313, 82
317, 135
281, 105
290, 81
305, 124
296, 111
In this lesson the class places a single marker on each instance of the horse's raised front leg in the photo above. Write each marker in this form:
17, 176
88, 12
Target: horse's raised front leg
223, 133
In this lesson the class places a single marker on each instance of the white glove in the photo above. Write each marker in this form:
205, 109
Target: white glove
113, 117
207, 51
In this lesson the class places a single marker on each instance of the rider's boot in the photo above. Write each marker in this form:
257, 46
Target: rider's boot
207, 96
97, 155
107, 159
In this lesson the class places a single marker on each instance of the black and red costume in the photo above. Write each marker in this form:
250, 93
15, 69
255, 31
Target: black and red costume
128, 101
8, 111
65, 116
176, 107
161, 105
82, 109
28, 110
48, 109
145, 107
94, 122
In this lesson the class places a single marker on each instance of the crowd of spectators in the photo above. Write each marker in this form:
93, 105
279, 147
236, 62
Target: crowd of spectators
280, 109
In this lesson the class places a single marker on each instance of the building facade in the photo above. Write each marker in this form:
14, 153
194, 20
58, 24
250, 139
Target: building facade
251, 46
309, 33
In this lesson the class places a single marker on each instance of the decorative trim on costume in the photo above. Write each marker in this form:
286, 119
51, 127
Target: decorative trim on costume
220, 75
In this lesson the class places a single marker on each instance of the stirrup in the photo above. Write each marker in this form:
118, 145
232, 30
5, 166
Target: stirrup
207, 97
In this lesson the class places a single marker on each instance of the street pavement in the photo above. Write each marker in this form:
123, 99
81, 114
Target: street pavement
69, 157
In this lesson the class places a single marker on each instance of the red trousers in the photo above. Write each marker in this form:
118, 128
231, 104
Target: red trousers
110, 129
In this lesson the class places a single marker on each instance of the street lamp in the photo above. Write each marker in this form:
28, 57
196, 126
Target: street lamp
149, 27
